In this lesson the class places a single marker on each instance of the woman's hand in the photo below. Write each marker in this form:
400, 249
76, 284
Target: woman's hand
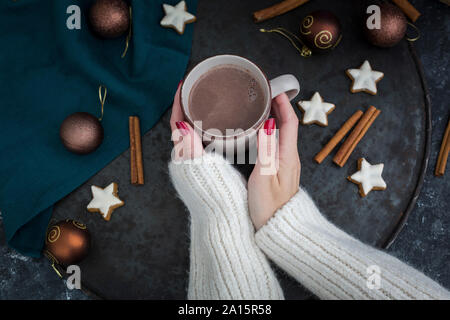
187, 143
276, 176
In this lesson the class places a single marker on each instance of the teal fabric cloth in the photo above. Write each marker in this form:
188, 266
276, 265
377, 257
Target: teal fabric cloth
48, 72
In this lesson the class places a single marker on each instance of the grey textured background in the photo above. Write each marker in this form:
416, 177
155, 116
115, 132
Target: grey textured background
424, 242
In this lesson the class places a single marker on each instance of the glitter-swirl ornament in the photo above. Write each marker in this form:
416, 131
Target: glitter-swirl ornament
320, 31
67, 242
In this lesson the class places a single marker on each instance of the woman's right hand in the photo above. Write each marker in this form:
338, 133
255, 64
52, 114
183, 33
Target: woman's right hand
276, 175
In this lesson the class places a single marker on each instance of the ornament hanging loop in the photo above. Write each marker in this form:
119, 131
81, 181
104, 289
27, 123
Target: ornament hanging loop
102, 98
56, 270
54, 263
417, 31
304, 51
127, 41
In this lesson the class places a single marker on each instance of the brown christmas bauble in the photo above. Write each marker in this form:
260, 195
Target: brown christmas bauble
392, 26
67, 242
81, 133
321, 31
109, 18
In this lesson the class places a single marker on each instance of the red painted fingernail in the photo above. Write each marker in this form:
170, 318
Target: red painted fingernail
182, 127
269, 126
179, 83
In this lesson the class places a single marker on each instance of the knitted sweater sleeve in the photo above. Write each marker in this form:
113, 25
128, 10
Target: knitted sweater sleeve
334, 265
225, 262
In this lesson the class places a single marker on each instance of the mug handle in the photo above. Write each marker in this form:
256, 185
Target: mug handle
287, 83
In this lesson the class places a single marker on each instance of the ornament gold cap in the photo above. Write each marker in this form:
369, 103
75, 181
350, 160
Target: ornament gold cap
304, 51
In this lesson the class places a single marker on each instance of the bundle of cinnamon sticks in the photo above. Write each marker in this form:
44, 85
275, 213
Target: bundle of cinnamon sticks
363, 121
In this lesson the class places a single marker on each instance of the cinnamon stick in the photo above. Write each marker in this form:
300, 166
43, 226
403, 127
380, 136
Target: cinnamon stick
340, 134
408, 9
443, 153
133, 167
277, 9
355, 136
136, 165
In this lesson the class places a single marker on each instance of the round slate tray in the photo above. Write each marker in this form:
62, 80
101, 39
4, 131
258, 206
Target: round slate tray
143, 252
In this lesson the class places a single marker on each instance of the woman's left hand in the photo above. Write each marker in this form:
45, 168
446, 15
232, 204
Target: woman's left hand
187, 143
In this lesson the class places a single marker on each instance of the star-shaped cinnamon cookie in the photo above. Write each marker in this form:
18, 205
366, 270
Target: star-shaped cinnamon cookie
105, 200
368, 177
316, 110
364, 79
176, 17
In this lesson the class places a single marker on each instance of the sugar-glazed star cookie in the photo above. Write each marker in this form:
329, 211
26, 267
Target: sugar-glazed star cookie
368, 177
364, 79
105, 200
176, 17
316, 110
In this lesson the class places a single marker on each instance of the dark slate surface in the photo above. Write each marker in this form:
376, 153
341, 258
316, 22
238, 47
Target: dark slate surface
423, 242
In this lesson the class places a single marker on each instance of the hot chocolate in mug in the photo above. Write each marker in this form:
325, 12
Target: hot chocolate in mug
216, 90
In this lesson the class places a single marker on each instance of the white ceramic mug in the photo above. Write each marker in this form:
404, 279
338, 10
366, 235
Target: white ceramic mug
286, 83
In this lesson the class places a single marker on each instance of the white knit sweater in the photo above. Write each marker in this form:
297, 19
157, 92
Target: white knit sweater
229, 261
